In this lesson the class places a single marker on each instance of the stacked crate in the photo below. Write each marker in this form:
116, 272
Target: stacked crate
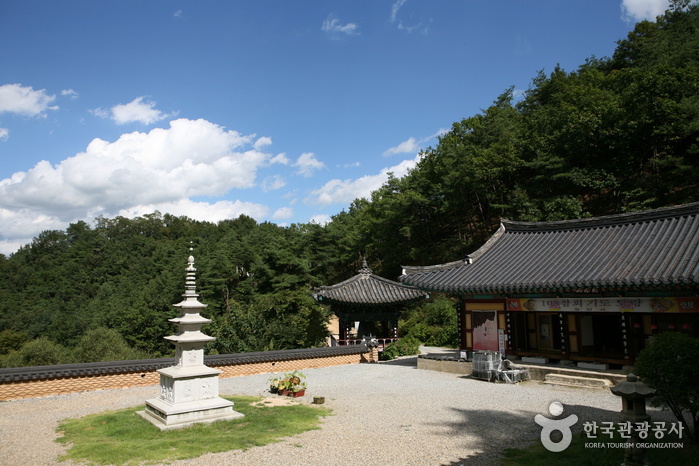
486, 365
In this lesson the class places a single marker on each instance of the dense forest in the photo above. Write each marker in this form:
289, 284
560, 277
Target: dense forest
618, 134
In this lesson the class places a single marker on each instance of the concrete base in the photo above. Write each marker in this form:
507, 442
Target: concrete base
577, 381
444, 365
166, 416
539, 373
529, 360
593, 366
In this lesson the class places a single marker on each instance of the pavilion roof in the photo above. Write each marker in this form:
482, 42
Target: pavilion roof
655, 248
367, 288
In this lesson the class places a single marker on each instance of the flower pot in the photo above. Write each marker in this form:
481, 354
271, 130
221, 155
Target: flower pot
296, 394
273, 389
319, 400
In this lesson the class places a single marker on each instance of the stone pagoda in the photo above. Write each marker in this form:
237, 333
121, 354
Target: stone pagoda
189, 389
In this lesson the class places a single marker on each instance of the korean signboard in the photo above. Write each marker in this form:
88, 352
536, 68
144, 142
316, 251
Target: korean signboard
659, 304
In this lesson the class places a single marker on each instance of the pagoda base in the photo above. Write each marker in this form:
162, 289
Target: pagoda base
166, 416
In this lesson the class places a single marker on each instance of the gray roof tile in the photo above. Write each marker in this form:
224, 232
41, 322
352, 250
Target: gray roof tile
658, 247
367, 288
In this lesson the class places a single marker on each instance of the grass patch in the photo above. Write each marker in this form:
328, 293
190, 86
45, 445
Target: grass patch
123, 437
577, 454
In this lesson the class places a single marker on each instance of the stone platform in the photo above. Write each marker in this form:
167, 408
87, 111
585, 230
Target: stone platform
446, 360
166, 417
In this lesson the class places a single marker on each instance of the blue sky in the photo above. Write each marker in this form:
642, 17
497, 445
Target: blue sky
284, 111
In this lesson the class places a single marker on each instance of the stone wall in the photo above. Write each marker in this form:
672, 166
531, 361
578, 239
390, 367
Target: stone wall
451, 365
28, 382
537, 372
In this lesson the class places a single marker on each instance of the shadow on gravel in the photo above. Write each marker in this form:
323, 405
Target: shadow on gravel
491, 432
405, 361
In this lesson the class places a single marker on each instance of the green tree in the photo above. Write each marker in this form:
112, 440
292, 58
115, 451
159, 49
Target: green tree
103, 344
11, 340
434, 323
666, 365
39, 352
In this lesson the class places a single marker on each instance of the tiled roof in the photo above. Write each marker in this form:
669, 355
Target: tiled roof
367, 288
652, 248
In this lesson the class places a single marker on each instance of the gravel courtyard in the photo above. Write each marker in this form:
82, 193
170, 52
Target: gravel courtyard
383, 414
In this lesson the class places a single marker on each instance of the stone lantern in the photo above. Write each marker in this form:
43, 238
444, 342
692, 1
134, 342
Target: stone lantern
189, 389
633, 395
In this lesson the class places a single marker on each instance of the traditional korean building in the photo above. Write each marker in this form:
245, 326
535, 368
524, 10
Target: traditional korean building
593, 290
375, 302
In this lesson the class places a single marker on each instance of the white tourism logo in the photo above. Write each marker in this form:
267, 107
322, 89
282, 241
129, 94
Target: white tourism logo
548, 426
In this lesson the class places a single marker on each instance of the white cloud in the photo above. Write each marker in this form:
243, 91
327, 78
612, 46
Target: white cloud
280, 158
345, 191
273, 182
307, 164
639, 10
19, 226
23, 100
283, 213
70, 92
332, 26
262, 142
420, 27
99, 112
4, 134
9, 247
321, 219
204, 211
440, 132
405, 147
137, 110
411, 146
394, 9
139, 172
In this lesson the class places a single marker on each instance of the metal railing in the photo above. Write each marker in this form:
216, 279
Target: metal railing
358, 341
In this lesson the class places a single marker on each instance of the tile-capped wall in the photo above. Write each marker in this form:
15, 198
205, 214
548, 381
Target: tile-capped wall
46, 386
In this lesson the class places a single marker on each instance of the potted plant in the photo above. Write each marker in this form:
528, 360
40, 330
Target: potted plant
293, 384
275, 383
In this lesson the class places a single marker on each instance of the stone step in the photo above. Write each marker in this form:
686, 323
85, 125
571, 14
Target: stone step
577, 381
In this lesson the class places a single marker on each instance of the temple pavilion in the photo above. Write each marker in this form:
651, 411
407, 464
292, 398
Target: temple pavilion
594, 290
374, 303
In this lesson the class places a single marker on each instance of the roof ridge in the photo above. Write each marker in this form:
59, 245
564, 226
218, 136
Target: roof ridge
605, 220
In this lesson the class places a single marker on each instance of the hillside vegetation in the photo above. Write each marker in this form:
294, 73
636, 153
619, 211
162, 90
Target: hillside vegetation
618, 134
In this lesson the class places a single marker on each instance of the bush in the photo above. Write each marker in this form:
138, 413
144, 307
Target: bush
104, 344
11, 340
434, 323
667, 365
39, 352
407, 346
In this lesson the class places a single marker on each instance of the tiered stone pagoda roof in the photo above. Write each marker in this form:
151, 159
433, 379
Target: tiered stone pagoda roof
654, 249
367, 288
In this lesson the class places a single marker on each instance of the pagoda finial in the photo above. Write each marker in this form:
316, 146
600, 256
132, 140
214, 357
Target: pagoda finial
365, 268
190, 281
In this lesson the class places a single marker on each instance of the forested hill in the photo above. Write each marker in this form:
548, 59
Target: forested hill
618, 134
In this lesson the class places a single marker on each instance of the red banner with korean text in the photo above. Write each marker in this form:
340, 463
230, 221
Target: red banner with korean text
654, 304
